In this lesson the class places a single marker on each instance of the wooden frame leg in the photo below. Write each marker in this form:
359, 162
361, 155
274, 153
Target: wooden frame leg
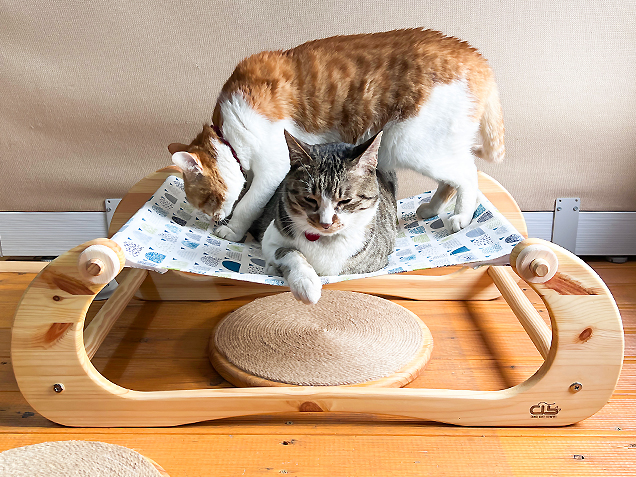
577, 378
528, 316
106, 317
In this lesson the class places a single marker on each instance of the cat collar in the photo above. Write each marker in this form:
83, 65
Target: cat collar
218, 132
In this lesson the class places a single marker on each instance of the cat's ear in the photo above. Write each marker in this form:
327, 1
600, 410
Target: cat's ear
176, 147
368, 154
298, 150
188, 163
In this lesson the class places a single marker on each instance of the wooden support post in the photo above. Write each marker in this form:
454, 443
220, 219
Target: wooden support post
528, 316
97, 330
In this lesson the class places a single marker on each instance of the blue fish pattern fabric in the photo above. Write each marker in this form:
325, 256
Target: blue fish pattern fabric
168, 233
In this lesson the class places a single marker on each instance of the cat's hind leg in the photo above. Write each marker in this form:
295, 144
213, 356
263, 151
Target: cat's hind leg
437, 143
441, 196
465, 183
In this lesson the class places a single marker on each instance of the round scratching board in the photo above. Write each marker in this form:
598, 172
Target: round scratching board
76, 458
346, 339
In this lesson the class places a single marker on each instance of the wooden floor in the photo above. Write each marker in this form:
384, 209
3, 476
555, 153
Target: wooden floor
478, 345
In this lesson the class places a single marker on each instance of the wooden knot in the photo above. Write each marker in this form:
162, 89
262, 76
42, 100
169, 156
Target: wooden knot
586, 334
95, 267
309, 406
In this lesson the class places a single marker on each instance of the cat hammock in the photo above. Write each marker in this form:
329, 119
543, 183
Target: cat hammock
167, 233
582, 351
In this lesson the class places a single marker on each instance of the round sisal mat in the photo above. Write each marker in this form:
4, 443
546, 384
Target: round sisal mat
76, 459
346, 339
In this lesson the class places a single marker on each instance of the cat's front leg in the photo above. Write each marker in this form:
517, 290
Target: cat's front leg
225, 232
251, 205
301, 277
280, 255
242, 216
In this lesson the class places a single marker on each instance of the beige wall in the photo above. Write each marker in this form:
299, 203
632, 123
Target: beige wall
92, 92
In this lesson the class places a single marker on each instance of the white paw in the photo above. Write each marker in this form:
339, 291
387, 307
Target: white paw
272, 270
458, 222
305, 285
426, 211
224, 232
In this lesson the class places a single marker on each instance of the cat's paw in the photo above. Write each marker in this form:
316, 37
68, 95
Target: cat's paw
459, 221
226, 233
272, 270
426, 211
305, 285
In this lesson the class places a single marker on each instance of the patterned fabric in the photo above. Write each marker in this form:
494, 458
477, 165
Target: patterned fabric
170, 234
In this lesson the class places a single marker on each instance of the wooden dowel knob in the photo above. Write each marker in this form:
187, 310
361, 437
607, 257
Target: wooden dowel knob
95, 266
98, 264
540, 267
534, 261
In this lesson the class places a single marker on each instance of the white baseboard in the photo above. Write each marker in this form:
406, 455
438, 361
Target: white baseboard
27, 234
598, 233
606, 233
539, 224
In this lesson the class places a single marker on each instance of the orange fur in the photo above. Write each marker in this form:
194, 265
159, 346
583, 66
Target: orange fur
347, 87
208, 187
357, 83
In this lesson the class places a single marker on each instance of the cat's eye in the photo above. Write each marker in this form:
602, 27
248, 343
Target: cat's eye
311, 200
343, 202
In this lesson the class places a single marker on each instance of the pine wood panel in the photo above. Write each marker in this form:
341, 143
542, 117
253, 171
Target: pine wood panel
617, 415
587, 346
475, 353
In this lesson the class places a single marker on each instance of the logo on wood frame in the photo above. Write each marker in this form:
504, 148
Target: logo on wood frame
544, 410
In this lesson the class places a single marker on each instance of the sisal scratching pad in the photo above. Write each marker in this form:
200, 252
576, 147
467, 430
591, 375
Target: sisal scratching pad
346, 339
76, 459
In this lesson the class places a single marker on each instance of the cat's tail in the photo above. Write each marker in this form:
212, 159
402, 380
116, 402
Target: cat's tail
492, 129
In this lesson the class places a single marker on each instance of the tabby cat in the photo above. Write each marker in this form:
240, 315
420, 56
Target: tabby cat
431, 95
333, 214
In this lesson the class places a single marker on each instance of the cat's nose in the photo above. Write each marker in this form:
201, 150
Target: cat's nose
326, 226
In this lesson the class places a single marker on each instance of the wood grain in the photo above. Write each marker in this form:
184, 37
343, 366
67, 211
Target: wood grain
479, 346
295, 452
99, 327
529, 318
47, 348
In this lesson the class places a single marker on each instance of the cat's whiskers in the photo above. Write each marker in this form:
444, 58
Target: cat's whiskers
289, 229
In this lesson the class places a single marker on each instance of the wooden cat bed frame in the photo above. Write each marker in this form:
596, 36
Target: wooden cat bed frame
582, 351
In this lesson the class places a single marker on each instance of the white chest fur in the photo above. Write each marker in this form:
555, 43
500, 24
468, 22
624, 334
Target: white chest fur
328, 255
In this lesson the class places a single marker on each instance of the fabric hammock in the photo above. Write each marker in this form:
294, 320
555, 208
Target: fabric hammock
168, 233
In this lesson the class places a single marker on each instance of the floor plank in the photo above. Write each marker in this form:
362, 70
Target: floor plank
294, 453
478, 345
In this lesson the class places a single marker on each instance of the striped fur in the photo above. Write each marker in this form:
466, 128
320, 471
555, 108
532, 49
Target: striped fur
333, 214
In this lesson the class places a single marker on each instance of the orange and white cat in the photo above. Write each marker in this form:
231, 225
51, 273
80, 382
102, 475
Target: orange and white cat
432, 95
